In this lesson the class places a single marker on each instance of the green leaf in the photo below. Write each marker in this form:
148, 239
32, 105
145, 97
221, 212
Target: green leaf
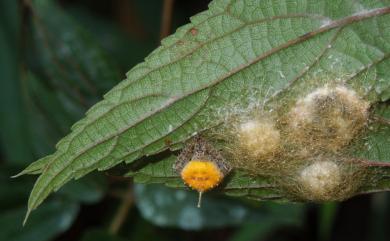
48, 103
376, 143
127, 48
78, 65
49, 118
89, 190
375, 146
58, 213
267, 47
51, 219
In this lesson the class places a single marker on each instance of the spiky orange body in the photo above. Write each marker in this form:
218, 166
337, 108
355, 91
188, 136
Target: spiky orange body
201, 175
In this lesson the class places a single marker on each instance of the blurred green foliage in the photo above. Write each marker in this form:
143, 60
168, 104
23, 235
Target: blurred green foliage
171, 207
55, 63
13, 114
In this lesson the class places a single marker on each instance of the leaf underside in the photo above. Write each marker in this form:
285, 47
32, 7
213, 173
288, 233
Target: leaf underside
264, 48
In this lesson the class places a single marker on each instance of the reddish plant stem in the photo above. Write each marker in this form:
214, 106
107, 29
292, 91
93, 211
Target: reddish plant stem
166, 18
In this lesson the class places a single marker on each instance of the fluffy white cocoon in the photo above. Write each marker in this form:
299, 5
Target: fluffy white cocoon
306, 108
320, 179
328, 118
259, 138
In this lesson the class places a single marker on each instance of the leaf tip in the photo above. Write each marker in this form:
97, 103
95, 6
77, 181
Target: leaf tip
19, 174
26, 217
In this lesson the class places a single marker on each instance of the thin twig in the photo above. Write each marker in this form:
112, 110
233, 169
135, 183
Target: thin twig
166, 18
123, 210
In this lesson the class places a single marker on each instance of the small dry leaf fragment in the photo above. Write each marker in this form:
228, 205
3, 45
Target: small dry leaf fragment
201, 166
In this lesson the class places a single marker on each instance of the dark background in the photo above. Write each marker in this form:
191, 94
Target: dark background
58, 59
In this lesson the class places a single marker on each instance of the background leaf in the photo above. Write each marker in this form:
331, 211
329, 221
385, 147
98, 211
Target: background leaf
58, 213
34, 116
169, 207
12, 112
79, 64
